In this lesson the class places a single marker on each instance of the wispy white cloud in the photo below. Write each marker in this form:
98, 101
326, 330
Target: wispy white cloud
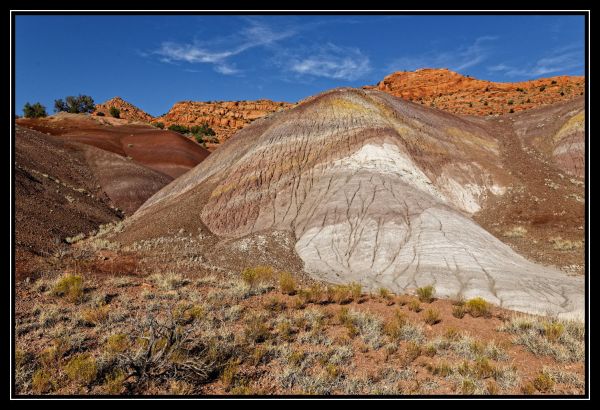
329, 61
561, 60
256, 34
458, 59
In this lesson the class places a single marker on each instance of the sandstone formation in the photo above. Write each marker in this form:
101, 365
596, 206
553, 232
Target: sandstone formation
164, 151
224, 117
373, 189
453, 92
127, 111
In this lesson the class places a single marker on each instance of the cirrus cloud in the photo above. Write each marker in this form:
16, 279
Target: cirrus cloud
330, 61
255, 35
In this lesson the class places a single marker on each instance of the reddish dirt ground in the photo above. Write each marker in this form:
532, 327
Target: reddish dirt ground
57, 195
164, 151
544, 200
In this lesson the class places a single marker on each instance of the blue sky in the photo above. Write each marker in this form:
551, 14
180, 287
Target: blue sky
155, 61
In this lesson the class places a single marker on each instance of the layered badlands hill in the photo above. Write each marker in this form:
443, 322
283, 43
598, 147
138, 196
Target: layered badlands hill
163, 151
364, 187
127, 110
225, 117
452, 92
63, 189
558, 132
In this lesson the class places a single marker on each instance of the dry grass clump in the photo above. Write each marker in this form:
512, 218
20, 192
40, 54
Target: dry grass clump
229, 374
340, 294
256, 330
386, 295
478, 307
393, 327
459, 311
432, 316
553, 330
483, 369
527, 389
186, 313
312, 294
169, 280
463, 345
561, 244
258, 274
43, 381
564, 340
114, 382
287, 284
413, 350
442, 369
369, 327
82, 369
426, 293
117, 343
52, 315
564, 377
398, 328
95, 315
468, 387
51, 355
121, 281
515, 232
70, 287
285, 330
543, 382
274, 304
414, 305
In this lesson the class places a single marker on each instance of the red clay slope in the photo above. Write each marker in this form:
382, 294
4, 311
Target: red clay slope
450, 91
164, 151
57, 195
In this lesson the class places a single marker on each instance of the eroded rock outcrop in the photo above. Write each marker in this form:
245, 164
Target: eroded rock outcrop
225, 117
453, 92
374, 189
127, 110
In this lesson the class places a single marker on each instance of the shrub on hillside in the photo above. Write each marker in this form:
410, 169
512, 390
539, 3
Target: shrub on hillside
100, 114
75, 105
203, 129
115, 112
179, 128
159, 124
35, 110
